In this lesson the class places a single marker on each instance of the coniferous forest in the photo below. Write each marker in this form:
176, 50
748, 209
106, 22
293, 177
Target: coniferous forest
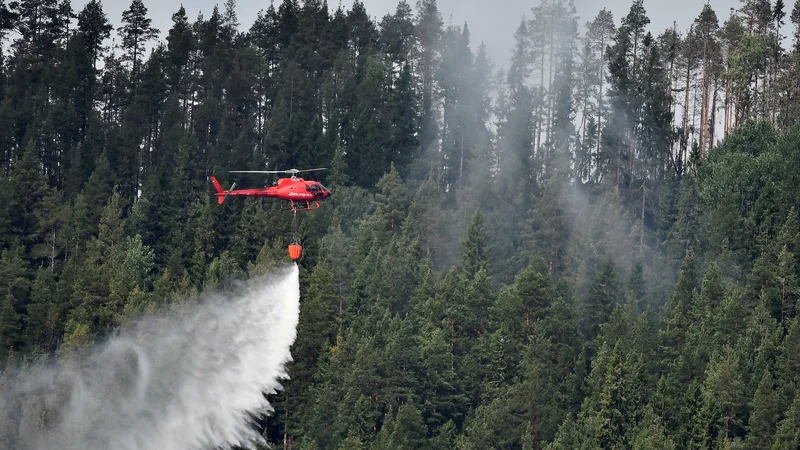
595, 244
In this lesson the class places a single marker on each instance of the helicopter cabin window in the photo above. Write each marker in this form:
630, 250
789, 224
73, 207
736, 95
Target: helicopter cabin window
314, 187
308, 189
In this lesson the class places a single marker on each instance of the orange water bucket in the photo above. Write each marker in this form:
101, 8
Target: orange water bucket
295, 251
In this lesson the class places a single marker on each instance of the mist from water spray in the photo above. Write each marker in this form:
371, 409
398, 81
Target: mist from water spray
193, 378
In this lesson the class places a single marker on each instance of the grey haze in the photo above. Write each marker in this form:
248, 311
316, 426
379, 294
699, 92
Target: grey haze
490, 21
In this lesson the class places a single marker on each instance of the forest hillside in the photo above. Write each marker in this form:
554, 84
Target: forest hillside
593, 245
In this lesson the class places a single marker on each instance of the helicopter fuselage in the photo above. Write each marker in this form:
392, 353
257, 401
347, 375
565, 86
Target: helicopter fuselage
290, 189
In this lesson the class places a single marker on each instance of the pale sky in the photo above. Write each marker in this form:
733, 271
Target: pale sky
487, 20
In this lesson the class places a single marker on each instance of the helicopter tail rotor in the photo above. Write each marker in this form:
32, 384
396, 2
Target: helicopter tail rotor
222, 194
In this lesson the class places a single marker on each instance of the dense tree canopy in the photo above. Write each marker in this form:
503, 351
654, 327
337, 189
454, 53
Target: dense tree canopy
594, 245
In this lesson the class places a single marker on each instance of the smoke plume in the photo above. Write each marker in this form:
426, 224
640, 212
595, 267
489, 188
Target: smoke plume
193, 378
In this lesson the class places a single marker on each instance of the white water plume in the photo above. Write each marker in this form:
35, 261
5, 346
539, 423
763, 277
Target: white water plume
193, 378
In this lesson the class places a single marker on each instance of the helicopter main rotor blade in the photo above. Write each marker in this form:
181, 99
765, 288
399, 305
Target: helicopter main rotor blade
277, 171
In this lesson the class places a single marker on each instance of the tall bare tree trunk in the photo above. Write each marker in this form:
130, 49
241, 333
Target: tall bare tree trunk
461, 163
53, 251
754, 104
550, 76
539, 112
765, 90
641, 234
727, 108
673, 83
704, 114
619, 160
685, 146
704, 100
769, 92
452, 343
600, 98
286, 445
631, 152
713, 124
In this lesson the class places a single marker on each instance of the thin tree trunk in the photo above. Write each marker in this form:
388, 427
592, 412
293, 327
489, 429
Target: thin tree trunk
673, 83
631, 152
641, 234
694, 107
53, 251
755, 102
768, 89
704, 114
461, 164
784, 301
452, 343
550, 83
341, 307
585, 99
685, 143
619, 160
286, 445
600, 98
632, 144
726, 106
713, 124
537, 109
704, 100
445, 108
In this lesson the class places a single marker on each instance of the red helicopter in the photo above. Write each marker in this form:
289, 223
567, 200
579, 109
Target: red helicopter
294, 190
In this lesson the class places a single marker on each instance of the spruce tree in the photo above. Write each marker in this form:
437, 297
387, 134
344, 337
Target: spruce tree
474, 257
764, 415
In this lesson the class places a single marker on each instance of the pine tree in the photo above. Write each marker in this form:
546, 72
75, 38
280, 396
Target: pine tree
38, 41
516, 126
600, 33
95, 28
428, 31
404, 143
704, 31
134, 34
397, 34
180, 44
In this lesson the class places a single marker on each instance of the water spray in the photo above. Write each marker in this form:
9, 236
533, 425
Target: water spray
192, 378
